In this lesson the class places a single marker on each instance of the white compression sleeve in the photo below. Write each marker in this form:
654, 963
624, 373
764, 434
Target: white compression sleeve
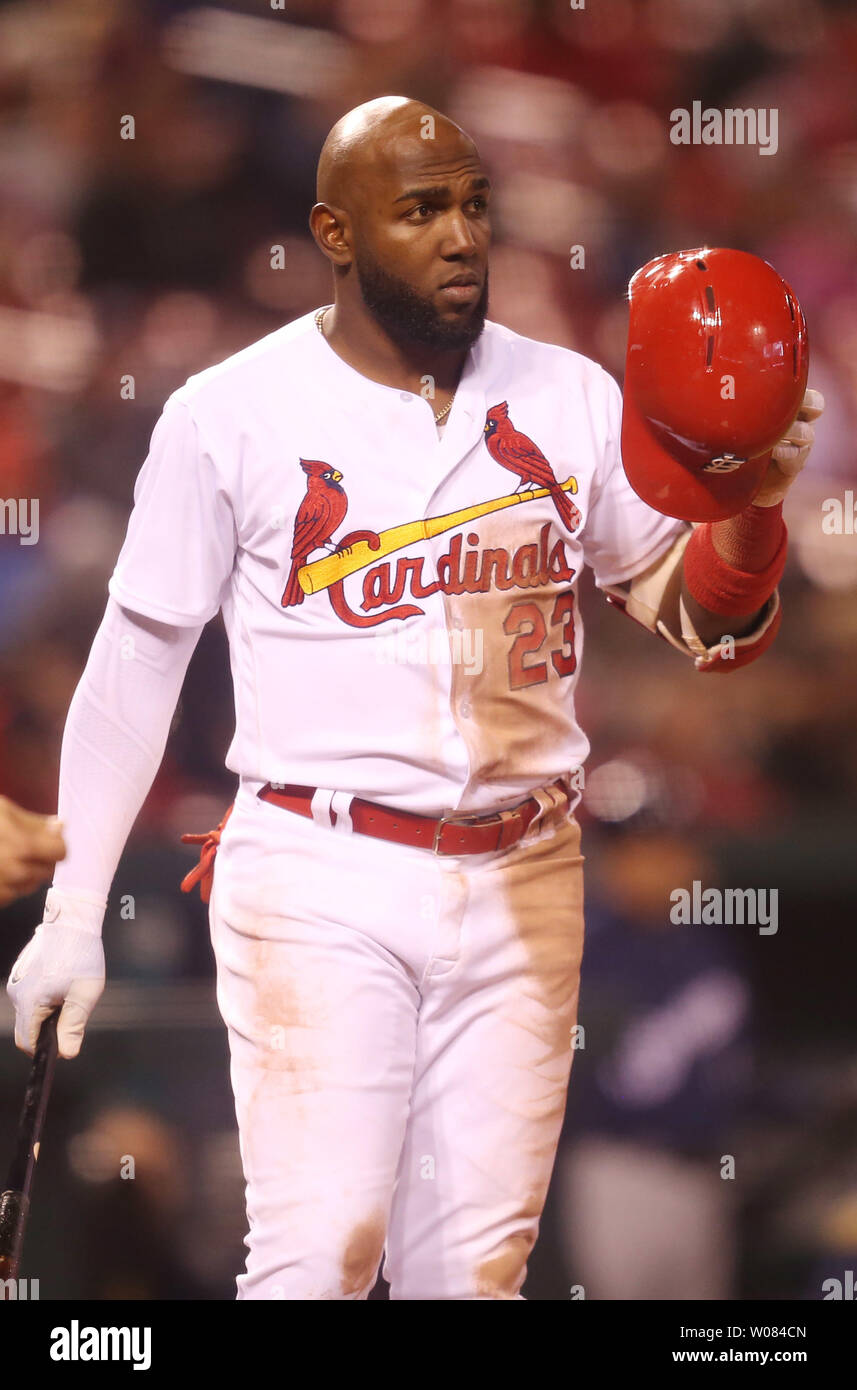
114, 740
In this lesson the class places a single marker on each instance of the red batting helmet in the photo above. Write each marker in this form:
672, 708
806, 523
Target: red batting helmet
715, 374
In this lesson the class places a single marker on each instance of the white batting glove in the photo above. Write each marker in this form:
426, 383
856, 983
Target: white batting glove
63, 963
791, 453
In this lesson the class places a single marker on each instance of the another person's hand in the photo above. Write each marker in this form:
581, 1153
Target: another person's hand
30, 846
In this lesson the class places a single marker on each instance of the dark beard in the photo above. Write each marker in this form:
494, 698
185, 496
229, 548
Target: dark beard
410, 320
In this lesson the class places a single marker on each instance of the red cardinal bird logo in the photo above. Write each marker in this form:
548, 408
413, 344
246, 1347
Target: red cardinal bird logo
517, 452
321, 511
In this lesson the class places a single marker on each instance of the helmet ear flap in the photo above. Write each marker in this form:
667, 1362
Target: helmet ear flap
715, 373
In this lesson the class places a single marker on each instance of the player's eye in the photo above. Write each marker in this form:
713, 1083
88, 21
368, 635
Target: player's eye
423, 208
479, 203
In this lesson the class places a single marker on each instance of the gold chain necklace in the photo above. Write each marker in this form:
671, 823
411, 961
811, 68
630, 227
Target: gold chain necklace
319, 320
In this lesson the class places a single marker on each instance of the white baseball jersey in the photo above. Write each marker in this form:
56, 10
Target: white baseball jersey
400, 606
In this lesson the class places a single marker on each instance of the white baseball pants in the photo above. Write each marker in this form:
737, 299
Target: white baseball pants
400, 1036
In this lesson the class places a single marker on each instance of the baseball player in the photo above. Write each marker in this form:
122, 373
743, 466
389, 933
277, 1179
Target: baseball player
390, 500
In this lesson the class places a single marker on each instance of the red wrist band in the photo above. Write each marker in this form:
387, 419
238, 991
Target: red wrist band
756, 544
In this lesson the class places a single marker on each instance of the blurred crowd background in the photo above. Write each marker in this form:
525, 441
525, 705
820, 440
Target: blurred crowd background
150, 259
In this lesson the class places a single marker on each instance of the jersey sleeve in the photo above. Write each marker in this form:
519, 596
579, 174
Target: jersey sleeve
622, 535
180, 545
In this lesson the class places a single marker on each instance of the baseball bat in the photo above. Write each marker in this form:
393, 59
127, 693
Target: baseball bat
322, 573
15, 1201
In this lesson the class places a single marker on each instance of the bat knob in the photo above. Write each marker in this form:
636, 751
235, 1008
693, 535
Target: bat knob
14, 1207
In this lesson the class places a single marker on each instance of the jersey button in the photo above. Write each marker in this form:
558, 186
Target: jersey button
466, 710
404, 396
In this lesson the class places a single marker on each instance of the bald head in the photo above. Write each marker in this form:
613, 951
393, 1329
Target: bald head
372, 139
402, 216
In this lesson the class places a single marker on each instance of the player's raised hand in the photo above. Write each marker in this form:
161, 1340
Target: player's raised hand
30, 846
62, 964
791, 453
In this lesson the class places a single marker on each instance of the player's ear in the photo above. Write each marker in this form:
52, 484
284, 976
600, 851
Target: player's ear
332, 232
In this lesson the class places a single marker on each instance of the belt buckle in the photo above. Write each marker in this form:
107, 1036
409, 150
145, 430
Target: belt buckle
496, 819
438, 831
448, 820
